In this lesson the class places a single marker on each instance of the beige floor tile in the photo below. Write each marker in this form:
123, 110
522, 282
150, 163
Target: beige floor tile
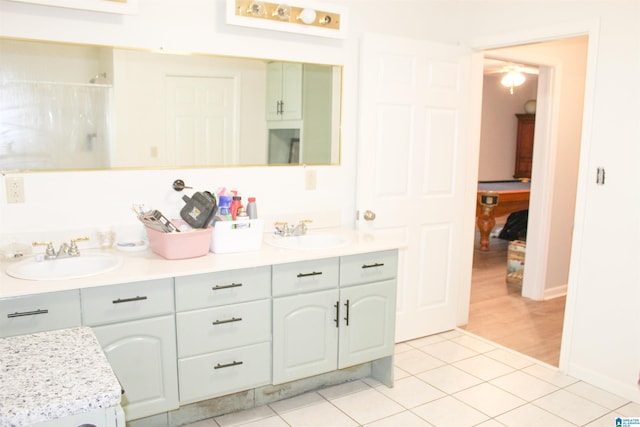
345, 389
524, 385
571, 407
449, 379
403, 419
597, 395
476, 344
318, 415
416, 361
532, 416
448, 351
550, 375
510, 358
447, 412
244, 417
367, 406
411, 392
489, 399
297, 402
483, 367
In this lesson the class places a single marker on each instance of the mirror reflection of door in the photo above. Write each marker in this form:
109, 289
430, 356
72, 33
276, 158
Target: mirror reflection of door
200, 120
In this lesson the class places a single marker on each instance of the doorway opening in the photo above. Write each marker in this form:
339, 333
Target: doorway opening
529, 318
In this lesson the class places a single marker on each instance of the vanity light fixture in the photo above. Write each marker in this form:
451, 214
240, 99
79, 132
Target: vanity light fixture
303, 16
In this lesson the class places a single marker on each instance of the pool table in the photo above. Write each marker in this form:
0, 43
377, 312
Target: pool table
512, 196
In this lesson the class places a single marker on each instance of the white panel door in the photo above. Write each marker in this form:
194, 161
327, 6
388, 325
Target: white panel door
413, 118
201, 120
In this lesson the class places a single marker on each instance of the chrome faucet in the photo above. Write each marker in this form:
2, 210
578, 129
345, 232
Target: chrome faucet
285, 230
66, 250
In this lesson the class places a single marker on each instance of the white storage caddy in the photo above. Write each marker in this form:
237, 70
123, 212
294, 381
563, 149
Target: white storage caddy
237, 236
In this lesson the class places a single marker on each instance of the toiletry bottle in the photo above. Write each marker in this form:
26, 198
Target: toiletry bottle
224, 212
252, 208
242, 219
236, 204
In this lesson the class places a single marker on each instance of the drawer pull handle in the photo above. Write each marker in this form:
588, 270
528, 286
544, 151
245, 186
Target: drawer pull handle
233, 285
377, 264
27, 313
315, 273
121, 300
227, 365
233, 319
346, 304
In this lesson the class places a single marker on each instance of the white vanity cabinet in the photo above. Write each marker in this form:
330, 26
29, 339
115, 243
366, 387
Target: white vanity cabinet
38, 313
223, 323
342, 315
284, 91
135, 325
368, 307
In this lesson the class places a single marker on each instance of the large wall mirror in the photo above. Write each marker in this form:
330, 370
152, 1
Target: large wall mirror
67, 107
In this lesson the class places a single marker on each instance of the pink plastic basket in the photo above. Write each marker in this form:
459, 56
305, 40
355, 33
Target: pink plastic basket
186, 244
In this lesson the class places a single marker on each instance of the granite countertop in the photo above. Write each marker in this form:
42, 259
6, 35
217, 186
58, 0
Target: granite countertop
49, 375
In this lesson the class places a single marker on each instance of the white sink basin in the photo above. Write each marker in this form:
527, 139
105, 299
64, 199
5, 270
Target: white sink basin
309, 241
64, 268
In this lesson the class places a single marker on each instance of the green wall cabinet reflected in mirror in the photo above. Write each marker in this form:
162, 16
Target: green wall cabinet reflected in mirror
68, 107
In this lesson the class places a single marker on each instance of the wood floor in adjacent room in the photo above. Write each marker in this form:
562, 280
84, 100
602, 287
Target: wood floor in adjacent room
499, 313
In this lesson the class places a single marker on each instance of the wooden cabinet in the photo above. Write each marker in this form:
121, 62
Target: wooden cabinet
135, 325
37, 313
524, 145
318, 330
284, 91
223, 323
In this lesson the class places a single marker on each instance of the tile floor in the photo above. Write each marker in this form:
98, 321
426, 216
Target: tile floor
450, 379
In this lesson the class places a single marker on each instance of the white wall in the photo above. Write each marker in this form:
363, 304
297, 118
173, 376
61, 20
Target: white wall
499, 126
602, 344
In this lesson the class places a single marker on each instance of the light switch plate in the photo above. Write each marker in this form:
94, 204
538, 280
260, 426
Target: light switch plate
310, 179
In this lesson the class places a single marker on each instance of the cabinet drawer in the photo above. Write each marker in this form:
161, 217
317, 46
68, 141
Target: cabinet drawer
229, 371
42, 312
225, 287
305, 276
369, 267
219, 328
129, 301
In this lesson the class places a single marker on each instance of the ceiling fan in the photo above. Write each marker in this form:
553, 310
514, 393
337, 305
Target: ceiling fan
513, 74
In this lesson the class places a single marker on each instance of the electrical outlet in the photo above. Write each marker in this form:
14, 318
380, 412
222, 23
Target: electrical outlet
310, 179
15, 189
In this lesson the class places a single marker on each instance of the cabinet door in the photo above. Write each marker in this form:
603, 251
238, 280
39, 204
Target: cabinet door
367, 322
274, 90
524, 145
142, 354
291, 108
305, 335
284, 91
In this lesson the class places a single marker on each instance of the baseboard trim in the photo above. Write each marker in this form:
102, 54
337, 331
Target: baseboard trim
556, 292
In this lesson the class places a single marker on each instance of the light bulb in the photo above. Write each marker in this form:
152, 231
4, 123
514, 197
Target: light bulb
308, 16
282, 11
512, 78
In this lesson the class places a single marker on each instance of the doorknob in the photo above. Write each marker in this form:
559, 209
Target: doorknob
369, 215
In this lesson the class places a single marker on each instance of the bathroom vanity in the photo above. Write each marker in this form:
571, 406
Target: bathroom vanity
242, 329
